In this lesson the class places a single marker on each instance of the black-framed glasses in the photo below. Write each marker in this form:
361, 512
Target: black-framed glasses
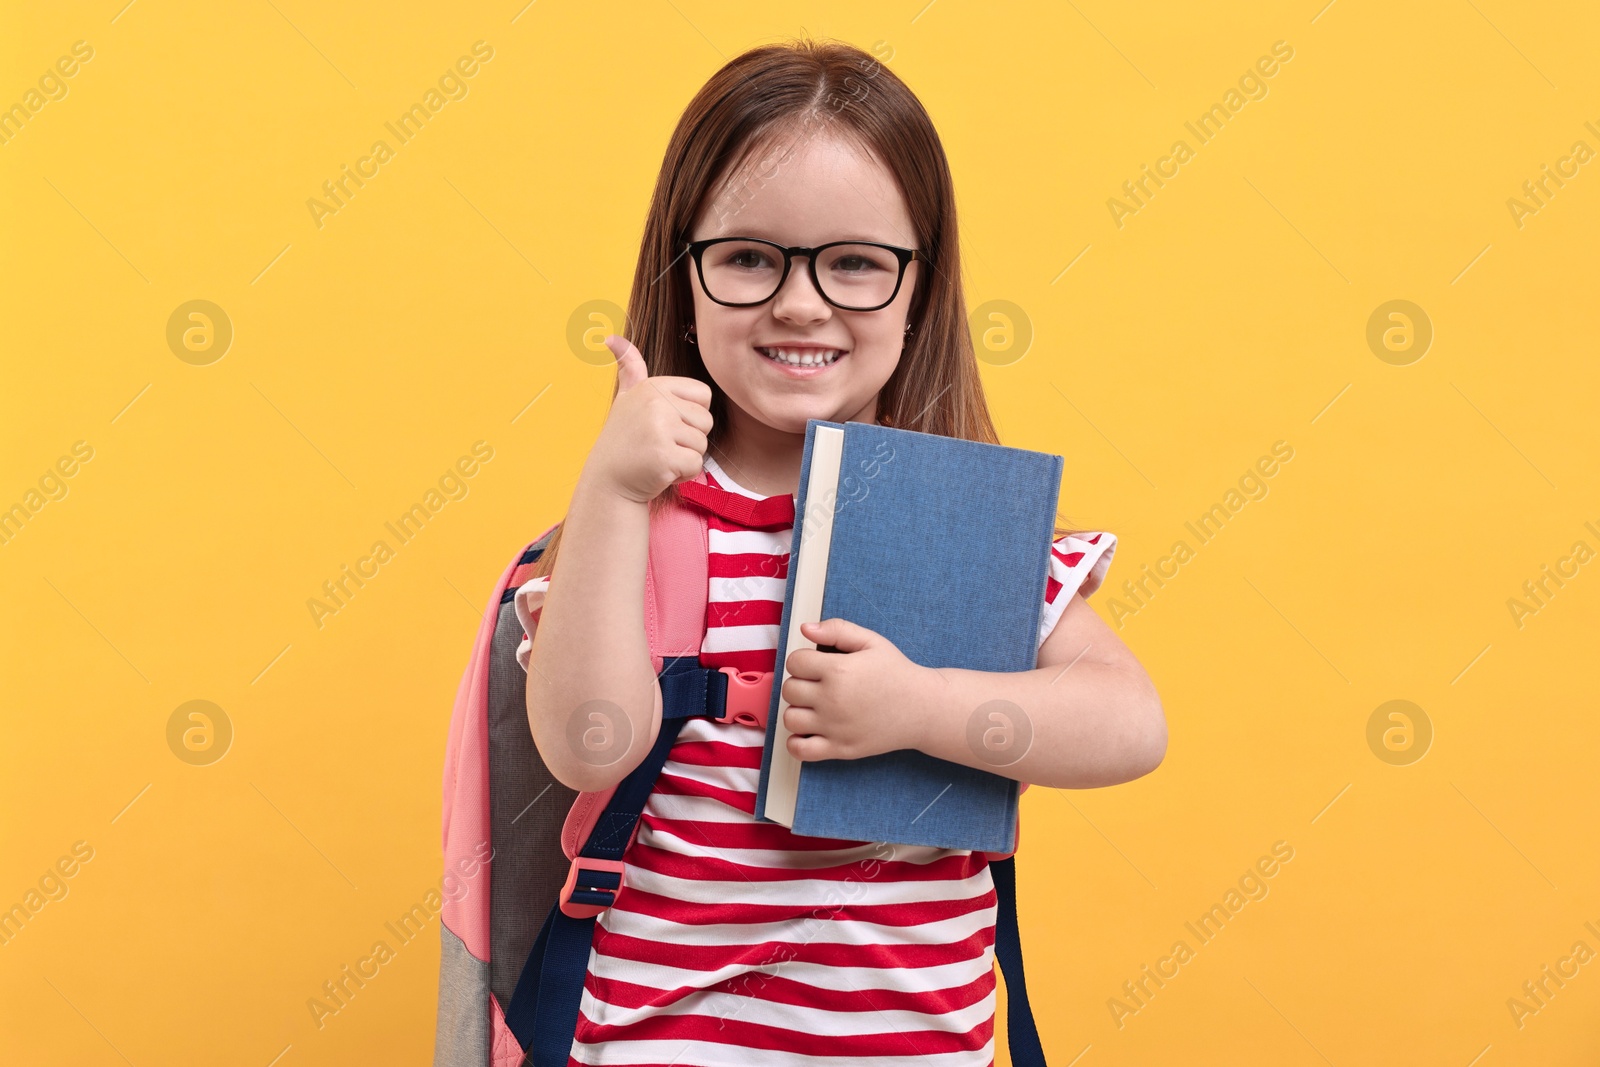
742, 272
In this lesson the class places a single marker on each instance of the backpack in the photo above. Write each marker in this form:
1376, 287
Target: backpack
521, 848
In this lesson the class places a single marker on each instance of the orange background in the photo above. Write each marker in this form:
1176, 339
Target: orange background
1439, 860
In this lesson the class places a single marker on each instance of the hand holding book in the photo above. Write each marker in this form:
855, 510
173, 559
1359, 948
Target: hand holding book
857, 701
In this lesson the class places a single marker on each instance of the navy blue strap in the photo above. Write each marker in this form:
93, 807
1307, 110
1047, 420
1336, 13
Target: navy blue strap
543, 1013
1022, 1036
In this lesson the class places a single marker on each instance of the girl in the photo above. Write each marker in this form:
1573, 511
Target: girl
800, 260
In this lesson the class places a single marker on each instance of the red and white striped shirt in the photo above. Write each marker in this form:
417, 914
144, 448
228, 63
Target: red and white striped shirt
735, 942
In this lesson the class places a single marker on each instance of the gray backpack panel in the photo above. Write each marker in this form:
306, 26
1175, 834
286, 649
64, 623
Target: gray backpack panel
527, 807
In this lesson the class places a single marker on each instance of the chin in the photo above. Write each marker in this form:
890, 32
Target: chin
826, 411
793, 422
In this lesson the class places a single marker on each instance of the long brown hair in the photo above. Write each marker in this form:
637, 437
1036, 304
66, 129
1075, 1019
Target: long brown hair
804, 88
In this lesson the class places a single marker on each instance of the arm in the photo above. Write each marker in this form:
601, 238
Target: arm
590, 645
1087, 716
594, 703
1091, 709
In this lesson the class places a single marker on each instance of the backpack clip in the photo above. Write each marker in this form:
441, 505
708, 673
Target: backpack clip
591, 886
749, 696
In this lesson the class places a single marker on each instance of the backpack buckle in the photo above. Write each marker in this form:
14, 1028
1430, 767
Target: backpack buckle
749, 697
591, 886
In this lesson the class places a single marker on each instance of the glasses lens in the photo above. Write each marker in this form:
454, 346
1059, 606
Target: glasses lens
741, 272
859, 276
852, 276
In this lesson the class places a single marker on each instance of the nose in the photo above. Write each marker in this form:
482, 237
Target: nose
797, 299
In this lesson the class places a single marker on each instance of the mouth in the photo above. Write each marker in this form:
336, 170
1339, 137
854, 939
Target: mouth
806, 362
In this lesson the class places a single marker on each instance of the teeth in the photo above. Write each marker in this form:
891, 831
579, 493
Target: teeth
803, 358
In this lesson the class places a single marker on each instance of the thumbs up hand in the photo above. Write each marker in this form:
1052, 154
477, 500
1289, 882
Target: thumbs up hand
655, 435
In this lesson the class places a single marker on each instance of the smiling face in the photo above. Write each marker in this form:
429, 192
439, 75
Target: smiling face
826, 190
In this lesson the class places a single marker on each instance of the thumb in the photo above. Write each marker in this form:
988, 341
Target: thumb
631, 369
841, 634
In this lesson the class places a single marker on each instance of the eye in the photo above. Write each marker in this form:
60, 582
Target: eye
747, 258
859, 260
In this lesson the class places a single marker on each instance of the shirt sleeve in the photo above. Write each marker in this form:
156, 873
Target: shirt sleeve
529, 603
1078, 564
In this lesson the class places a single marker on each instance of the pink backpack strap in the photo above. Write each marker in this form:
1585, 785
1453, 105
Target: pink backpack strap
675, 581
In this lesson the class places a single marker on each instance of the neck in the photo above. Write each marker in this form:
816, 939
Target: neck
766, 460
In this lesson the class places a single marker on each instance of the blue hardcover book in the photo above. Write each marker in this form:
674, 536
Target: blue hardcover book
942, 545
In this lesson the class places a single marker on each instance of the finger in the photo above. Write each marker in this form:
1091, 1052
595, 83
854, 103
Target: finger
801, 720
842, 634
689, 408
699, 416
692, 389
690, 462
805, 665
801, 692
807, 749
691, 438
631, 369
